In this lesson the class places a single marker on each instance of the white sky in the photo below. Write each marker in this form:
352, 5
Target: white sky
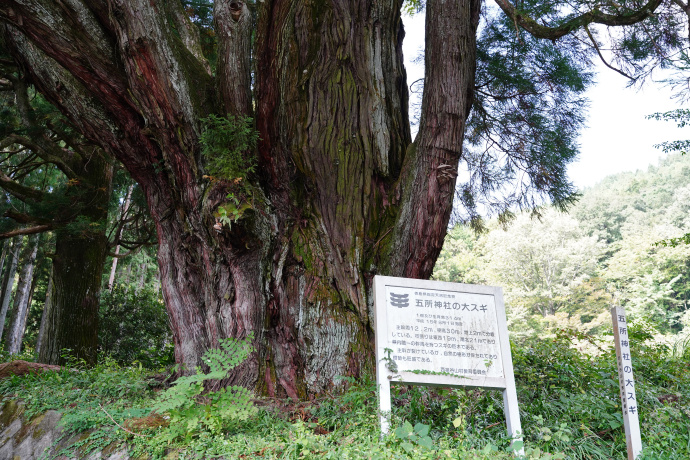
618, 137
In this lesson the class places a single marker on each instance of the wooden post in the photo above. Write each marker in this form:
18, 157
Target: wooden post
627, 383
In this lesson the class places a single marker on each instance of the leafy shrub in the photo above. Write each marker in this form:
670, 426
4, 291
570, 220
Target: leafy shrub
86, 396
569, 406
409, 436
190, 413
134, 327
569, 402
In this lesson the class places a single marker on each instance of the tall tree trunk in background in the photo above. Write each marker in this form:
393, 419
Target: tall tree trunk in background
142, 276
71, 316
20, 308
3, 256
340, 193
44, 315
128, 272
123, 214
8, 280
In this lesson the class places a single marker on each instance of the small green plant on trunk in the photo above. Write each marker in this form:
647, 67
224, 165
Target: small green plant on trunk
227, 145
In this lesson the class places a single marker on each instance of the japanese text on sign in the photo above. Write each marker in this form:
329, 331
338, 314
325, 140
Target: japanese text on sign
440, 331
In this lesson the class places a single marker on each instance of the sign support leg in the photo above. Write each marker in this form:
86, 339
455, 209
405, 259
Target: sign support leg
384, 404
512, 414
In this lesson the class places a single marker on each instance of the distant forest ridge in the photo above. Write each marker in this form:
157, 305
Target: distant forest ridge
569, 268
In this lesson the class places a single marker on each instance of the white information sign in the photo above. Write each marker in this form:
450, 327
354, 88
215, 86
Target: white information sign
442, 334
627, 383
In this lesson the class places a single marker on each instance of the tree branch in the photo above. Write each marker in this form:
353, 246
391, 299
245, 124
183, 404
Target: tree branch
594, 16
122, 256
430, 169
26, 231
40, 144
39, 148
189, 34
23, 218
22, 192
601, 56
234, 25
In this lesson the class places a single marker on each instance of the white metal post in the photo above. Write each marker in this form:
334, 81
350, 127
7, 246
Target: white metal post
510, 401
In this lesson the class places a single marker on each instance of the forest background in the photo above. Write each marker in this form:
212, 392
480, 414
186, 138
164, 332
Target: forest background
566, 270
563, 270
560, 275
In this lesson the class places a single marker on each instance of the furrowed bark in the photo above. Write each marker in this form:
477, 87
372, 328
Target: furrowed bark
431, 167
331, 96
71, 316
150, 123
233, 23
331, 111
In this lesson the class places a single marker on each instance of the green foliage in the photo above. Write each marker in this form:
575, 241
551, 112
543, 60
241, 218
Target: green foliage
412, 7
569, 406
232, 210
64, 201
674, 242
81, 394
459, 261
191, 413
528, 107
134, 327
682, 118
569, 401
411, 436
541, 273
226, 146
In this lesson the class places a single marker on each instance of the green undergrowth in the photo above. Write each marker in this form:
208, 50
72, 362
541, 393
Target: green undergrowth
569, 407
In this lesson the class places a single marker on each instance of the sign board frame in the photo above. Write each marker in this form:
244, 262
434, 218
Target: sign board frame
385, 375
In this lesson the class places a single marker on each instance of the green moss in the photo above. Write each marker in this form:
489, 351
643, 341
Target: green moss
109, 449
38, 431
11, 410
26, 429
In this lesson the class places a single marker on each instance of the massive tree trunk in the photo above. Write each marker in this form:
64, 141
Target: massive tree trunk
341, 193
21, 298
70, 318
